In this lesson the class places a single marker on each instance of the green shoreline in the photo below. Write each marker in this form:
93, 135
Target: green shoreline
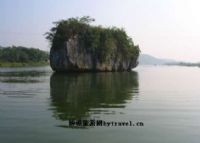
25, 64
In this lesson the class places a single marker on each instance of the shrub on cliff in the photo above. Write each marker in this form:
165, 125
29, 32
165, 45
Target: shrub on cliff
97, 40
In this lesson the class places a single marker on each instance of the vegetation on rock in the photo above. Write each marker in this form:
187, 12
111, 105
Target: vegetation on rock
102, 43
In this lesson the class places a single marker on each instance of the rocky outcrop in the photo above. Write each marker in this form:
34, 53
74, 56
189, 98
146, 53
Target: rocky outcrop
72, 57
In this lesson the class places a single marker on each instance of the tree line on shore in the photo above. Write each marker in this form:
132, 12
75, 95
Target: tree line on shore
20, 54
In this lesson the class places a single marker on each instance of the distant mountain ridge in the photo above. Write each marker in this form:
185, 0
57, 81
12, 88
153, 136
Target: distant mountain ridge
145, 59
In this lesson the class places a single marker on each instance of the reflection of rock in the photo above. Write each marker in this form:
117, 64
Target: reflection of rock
73, 95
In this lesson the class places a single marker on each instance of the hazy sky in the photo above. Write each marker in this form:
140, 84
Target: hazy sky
162, 28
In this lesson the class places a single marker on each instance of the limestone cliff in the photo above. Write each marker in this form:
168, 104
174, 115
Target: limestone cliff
91, 48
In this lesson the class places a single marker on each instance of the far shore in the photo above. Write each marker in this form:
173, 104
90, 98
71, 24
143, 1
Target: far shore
25, 64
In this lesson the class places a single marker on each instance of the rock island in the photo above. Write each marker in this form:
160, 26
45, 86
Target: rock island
77, 45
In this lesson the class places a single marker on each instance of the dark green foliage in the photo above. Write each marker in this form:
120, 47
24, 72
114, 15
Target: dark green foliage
100, 42
22, 55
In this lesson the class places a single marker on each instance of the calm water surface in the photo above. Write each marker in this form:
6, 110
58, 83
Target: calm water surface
36, 105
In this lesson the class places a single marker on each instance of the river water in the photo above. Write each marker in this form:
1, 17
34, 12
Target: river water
161, 102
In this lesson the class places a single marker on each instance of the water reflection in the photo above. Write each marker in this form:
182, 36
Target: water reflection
22, 82
73, 96
21, 76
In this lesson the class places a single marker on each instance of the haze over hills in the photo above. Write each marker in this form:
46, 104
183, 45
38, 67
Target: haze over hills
145, 59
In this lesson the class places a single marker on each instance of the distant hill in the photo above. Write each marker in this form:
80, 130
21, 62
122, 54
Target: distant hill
145, 59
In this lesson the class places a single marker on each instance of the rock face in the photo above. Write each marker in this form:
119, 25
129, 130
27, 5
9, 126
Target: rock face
72, 57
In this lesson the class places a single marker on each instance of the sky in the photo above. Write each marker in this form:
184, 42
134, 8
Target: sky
162, 28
